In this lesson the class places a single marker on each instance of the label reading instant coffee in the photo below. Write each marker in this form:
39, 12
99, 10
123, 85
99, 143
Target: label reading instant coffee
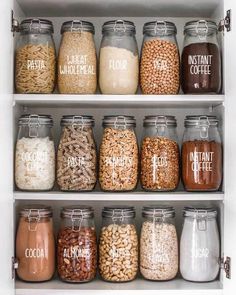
200, 64
77, 65
201, 161
118, 64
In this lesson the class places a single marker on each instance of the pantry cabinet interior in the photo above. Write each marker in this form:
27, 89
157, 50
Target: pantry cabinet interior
13, 105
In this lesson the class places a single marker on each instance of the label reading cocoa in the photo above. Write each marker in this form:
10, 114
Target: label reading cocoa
200, 253
76, 252
158, 162
160, 64
201, 161
33, 160
77, 65
200, 64
35, 65
118, 64
120, 252
34, 253
119, 161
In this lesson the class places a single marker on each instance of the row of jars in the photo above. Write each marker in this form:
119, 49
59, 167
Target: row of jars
77, 164
36, 64
120, 252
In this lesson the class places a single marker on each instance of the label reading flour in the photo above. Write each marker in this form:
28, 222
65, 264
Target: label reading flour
201, 161
118, 64
200, 64
35, 65
77, 65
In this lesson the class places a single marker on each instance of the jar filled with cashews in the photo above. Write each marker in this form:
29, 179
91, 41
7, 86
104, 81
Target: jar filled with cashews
118, 163
118, 245
35, 59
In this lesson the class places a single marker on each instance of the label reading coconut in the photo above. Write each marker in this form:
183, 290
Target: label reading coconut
200, 64
118, 64
33, 160
160, 64
201, 161
35, 65
122, 161
77, 65
34, 253
76, 252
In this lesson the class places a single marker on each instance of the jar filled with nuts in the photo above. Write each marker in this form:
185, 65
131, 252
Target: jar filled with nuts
160, 154
118, 163
77, 245
76, 157
77, 61
160, 65
35, 60
118, 245
158, 244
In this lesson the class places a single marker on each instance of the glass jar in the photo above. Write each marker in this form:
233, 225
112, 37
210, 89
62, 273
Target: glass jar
35, 59
119, 61
118, 162
159, 154
77, 245
77, 61
201, 61
35, 244
76, 156
201, 154
199, 245
35, 153
158, 244
159, 70
118, 246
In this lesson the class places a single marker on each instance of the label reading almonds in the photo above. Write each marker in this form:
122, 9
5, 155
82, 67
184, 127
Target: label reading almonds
35, 65
77, 65
201, 161
76, 252
33, 160
34, 253
119, 161
118, 64
160, 64
200, 64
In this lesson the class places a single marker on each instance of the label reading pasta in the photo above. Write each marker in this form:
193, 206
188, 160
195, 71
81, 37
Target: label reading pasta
77, 65
35, 64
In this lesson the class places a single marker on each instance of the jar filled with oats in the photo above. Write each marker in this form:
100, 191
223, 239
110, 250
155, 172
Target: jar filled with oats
160, 65
158, 244
76, 156
118, 163
35, 59
77, 62
160, 154
118, 245
35, 153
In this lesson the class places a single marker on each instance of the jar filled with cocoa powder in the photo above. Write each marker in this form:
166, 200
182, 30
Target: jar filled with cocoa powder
201, 154
76, 156
35, 244
159, 154
77, 245
160, 65
118, 245
118, 163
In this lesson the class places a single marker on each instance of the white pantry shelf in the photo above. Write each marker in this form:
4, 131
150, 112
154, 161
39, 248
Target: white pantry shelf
122, 101
130, 196
138, 286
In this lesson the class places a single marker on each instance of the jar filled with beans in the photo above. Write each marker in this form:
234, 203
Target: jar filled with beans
35, 59
77, 61
158, 244
118, 246
160, 64
160, 154
76, 157
118, 163
77, 245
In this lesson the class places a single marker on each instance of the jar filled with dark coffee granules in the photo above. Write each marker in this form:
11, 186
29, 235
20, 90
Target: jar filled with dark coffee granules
201, 62
201, 154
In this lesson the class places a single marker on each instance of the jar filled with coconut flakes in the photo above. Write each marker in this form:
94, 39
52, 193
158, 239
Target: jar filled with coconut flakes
77, 62
35, 154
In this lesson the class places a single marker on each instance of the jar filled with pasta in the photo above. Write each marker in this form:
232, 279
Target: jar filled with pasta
35, 153
77, 62
35, 59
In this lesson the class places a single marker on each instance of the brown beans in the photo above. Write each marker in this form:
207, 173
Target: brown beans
159, 72
159, 164
77, 254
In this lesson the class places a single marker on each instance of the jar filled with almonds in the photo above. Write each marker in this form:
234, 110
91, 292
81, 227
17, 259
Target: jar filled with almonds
160, 63
118, 245
76, 157
160, 154
35, 59
118, 163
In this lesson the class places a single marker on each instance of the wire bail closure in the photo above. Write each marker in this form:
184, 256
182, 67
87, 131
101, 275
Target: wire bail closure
35, 21
117, 28
202, 32
161, 128
204, 125
116, 218
34, 125
33, 219
158, 29
201, 216
77, 121
76, 221
120, 121
74, 29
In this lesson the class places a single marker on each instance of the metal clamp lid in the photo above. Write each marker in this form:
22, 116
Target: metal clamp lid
160, 28
77, 26
119, 121
159, 120
118, 213
36, 25
201, 27
77, 120
119, 25
158, 212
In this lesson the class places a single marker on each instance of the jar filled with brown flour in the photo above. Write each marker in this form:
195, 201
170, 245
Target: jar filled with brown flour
201, 154
76, 156
119, 61
159, 69
77, 62
35, 59
35, 245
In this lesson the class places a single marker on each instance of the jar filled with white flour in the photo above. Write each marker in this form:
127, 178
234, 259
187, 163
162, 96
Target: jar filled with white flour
199, 245
119, 61
35, 153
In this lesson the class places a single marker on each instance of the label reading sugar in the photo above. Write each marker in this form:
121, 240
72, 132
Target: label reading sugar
76, 252
35, 64
200, 253
34, 253
123, 161
77, 65
33, 160
200, 64
160, 64
201, 161
118, 64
